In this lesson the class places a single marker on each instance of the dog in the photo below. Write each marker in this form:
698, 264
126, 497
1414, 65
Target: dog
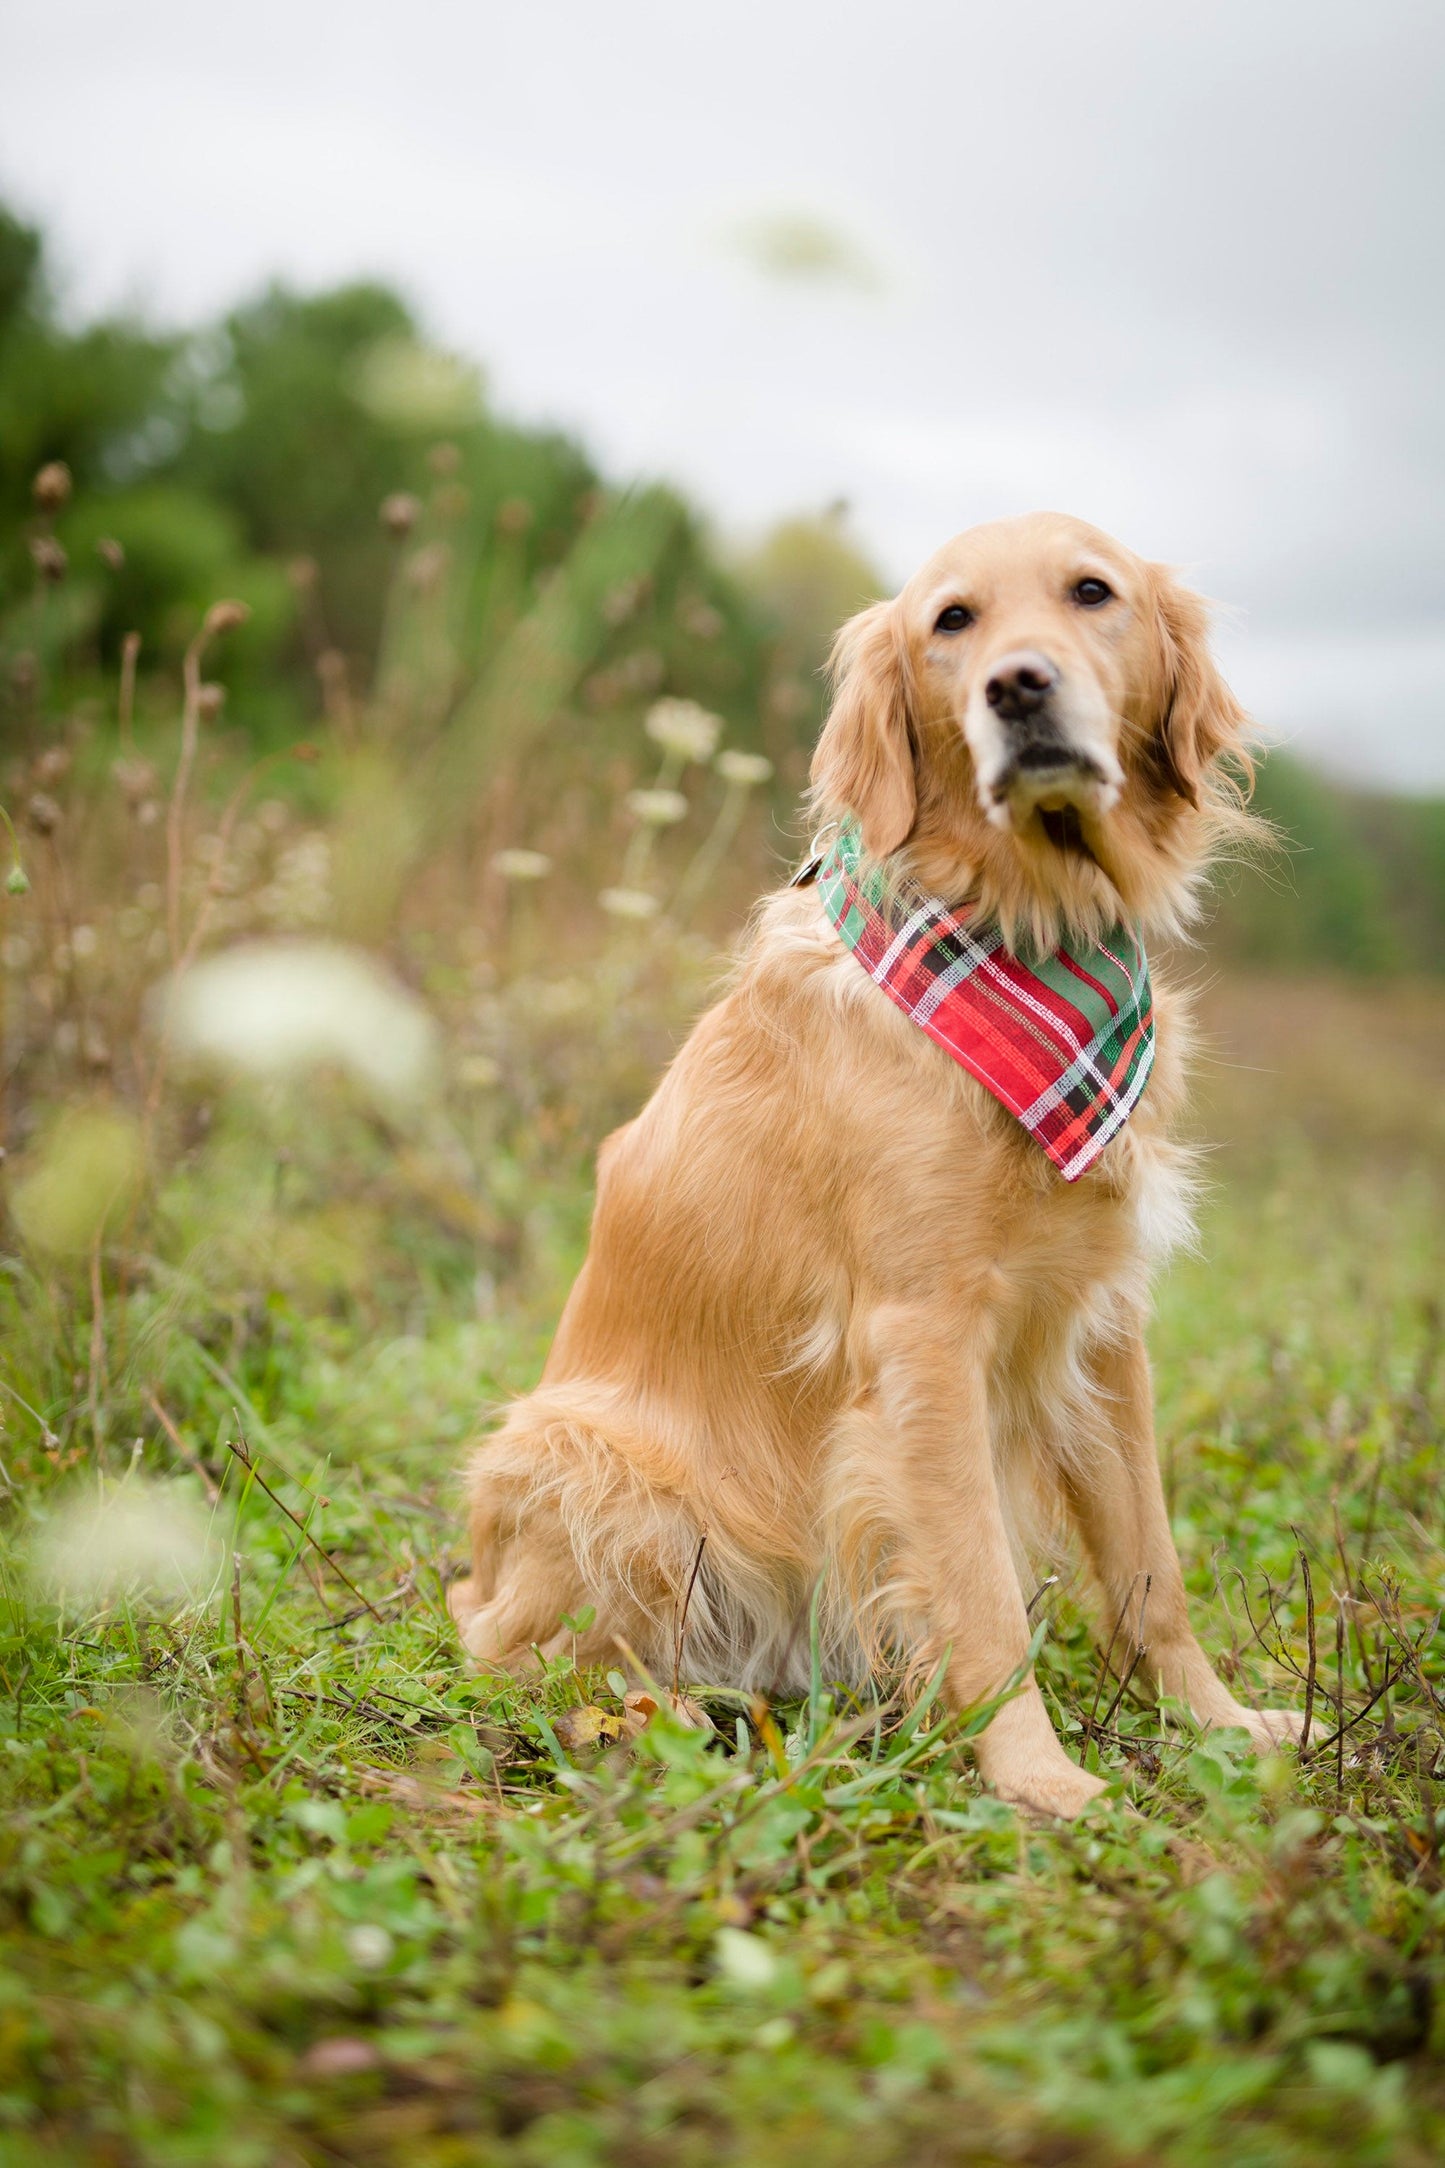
846, 1339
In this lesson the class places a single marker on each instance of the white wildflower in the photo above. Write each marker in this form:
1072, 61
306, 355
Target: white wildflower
743, 769
81, 1175
370, 1947
140, 1538
657, 808
518, 865
416, 387
684, 728
743, 1959
628, 903
280, 1009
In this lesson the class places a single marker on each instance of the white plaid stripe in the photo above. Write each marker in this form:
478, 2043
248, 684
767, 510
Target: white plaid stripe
1124, 1105
931, 929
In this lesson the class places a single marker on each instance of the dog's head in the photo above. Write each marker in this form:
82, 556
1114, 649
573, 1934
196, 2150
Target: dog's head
1036, 721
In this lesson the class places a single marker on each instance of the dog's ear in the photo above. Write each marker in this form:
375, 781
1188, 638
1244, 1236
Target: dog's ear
1199, 721
864, 759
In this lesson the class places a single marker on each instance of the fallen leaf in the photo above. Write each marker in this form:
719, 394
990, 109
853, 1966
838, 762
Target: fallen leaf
642, 1707
580, 1729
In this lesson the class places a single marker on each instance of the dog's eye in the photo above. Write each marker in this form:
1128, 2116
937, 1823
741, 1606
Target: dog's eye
954, 619
1090, 593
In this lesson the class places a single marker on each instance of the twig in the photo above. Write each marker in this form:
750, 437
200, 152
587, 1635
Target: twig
224, 828
1340, 1690
1347, 1595
682, 1615
1304, 1737
192, 1460
1108, 1658
1140, 1648
243, 1455
175, 810
129, 655
247, 1659
220, 617
1412, 1648
1336, 1738
97, 1341
214, 883
1278, 1655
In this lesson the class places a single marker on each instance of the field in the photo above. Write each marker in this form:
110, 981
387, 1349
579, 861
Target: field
343, 925
284, 1883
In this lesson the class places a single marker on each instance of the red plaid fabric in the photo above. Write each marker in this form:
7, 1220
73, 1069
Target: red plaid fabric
1065, 1042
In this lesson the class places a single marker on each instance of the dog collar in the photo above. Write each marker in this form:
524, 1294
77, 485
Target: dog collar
1065, 1042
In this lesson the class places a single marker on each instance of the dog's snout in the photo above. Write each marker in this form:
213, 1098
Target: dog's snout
1019, 684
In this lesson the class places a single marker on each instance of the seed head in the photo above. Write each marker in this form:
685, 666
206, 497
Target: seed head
701, 619
428, 567
743, 769
444, 460
51, 486
52, 765
514, 516
303, 573
43, 813
209, 702
333, 671
111, 553
683, 728
520, 865
629, 903
400, 513
225, 617
624, 600
137, 779
50, 559
657, 808
18, 880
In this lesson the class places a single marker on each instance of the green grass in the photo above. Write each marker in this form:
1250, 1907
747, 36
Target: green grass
281, 1883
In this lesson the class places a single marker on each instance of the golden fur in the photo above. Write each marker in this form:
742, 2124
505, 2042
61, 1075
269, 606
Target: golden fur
839, 1311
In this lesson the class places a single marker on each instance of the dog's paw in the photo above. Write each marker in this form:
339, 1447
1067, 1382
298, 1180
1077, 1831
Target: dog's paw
1056, 1794
463, 1600
1271, 1729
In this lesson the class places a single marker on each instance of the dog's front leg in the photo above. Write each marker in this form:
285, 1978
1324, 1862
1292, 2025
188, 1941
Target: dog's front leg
1117, 1501
951, 1573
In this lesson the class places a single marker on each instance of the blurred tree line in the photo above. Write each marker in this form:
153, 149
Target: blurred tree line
311, 454
281, 456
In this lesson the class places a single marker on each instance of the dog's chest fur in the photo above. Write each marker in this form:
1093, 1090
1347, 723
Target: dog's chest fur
955, 1208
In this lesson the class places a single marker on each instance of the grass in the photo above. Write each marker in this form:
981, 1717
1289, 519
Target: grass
282, 1883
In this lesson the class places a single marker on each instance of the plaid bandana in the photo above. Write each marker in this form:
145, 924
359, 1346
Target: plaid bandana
1065, 1042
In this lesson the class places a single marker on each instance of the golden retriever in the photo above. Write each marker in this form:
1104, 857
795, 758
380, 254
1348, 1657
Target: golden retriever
840, 1315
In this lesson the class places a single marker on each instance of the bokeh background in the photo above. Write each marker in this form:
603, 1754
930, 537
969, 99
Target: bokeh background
516, 394
436, 450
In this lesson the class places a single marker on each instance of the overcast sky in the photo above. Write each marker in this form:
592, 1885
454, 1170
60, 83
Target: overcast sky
1175, 269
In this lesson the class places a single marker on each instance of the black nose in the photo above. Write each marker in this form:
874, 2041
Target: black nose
1020, 685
